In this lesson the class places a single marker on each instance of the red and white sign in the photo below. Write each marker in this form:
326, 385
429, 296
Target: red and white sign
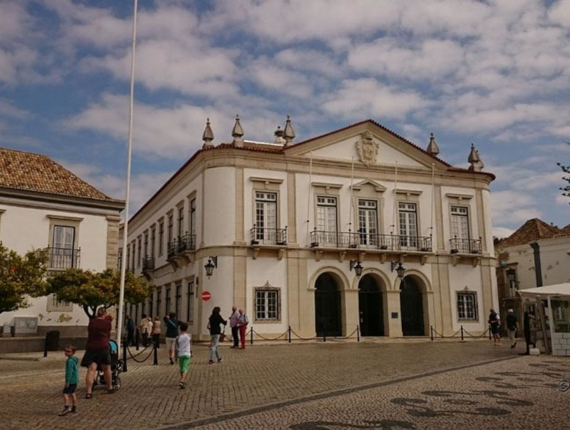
206, 296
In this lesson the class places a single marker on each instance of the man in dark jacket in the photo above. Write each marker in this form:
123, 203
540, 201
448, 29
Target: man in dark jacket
171, 333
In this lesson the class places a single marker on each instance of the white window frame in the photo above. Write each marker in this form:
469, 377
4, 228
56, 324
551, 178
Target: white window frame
463, 306
263, 309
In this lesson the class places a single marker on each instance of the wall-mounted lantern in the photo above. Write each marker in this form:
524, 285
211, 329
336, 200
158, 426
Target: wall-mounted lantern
355, 264
210, 265
398, 267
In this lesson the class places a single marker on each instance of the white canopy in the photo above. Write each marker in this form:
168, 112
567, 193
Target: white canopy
548, 290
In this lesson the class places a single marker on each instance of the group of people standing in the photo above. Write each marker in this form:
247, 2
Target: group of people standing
513, 327
238, 324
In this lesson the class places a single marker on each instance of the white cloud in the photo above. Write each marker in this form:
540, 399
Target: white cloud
362, 98
502, 232
562, 200
560, 13
512, 207
279, 79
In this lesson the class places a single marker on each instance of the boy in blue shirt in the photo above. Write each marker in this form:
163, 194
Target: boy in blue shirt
71, 378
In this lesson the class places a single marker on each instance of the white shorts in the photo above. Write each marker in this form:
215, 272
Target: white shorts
170, 342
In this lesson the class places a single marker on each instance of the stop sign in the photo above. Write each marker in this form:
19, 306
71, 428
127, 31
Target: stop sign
206, 296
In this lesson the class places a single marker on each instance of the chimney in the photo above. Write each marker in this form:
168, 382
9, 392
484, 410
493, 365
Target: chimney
208, 136
289, 133
237, 134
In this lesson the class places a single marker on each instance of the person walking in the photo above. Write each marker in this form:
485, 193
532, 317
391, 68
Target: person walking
97, 350
512, 327
145, 328
528, 322
130, 331
183, 352
234, 320
495, 323
156, 330
171, 333
71, 379
242, 323
214, 325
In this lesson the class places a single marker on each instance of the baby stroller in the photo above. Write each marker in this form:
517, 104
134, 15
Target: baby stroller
116, 368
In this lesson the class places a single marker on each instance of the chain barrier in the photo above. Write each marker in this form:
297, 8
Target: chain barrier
134, 357
302, 338
461, 333
266, 338
485, 333
346, 337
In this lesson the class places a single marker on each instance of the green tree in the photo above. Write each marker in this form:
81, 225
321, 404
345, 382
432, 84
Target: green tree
93, 289
21, 277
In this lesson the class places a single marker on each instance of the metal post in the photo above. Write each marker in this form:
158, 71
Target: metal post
125, 356
431, 332
357, 333
155, 354
490, 336
462, 338
251, 336
289, 333
137, 338
45, 346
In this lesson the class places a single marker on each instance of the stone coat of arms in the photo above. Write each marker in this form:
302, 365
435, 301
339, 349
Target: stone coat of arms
367, 149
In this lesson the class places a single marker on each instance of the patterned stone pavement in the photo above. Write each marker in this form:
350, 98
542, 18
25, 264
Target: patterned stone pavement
313, 386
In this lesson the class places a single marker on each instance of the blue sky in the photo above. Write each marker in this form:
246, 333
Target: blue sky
496, 73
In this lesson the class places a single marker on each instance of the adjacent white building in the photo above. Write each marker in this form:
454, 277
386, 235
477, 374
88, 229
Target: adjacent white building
288, 225
43, 205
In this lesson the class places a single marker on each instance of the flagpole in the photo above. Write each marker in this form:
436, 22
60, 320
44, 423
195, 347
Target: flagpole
309, 194
128, 184
351, 198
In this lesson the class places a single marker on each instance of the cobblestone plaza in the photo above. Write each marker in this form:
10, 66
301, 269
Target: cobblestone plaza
368, 385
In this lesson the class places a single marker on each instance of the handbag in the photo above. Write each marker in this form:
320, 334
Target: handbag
222, 336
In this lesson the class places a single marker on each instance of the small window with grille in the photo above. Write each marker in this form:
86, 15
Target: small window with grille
267, 304
467, 306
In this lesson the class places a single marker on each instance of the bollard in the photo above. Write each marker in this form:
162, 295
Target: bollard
324, 336
490, 336
125, 356
137, 338
357, 333
155, 355
45, 347
462, 338
289, 333
431, 332
251, 336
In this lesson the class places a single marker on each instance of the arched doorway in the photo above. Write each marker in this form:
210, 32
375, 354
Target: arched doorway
370, 307
412, 307
328, 318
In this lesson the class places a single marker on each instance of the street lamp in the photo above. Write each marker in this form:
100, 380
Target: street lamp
400, 270
210, 265
355, 264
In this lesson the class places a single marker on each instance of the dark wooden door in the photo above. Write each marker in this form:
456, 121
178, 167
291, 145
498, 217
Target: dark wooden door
327, 306
412, 308
370, 307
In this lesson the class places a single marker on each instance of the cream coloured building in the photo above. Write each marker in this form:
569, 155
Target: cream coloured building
43, 205
288, 226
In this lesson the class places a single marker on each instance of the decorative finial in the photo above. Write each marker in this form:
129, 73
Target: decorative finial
289, 133
433, 148
208, 135
476, 164
279, 136
237, 133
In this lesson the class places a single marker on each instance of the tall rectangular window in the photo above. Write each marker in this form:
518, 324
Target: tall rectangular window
266, 304
133, 246
408, 224
152, 242
460, 228
177, 300
145, 255
193, 216
160, 238
467, 306
265, 215
190, 304
159, 300
167, 301
140, 252
327, 219
368, 222
180, 221
128, 262
63, 254
170, 228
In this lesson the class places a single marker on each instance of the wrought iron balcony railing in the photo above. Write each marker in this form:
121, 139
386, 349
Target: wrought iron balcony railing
148, 264
465, 246
388, 242
268, 236
181, 244
63, 258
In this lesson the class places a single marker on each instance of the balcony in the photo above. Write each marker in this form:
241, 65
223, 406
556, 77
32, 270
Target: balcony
268, 236
63, 258
147, 264
465, 246
181, 246
369, 241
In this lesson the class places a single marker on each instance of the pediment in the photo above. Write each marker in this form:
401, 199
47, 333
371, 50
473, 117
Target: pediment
366, 144
369, 182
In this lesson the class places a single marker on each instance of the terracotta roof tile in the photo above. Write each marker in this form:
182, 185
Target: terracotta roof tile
532, 230
565, 231
38, 173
